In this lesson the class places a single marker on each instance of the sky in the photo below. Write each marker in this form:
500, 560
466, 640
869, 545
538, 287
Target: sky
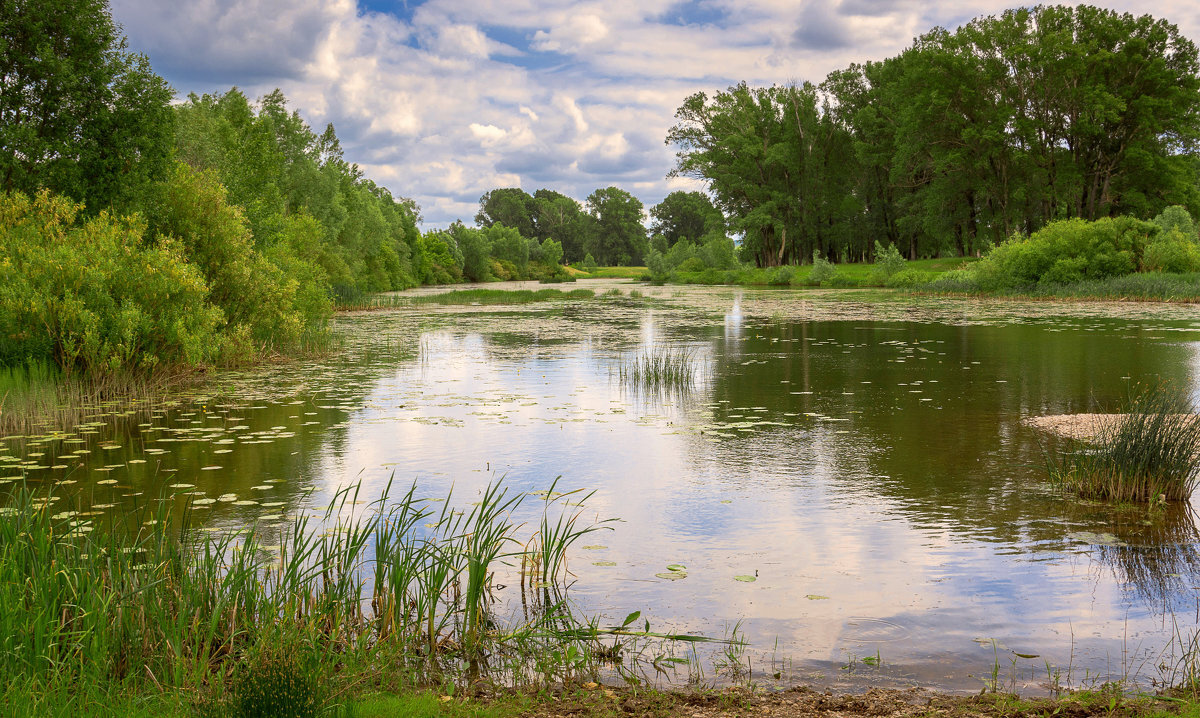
442, 100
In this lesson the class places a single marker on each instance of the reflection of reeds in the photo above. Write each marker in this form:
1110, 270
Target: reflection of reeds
158, 604
1157, 557
38, 396
660, 368
1150, 453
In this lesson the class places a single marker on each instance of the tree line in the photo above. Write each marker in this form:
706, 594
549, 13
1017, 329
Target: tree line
965, 138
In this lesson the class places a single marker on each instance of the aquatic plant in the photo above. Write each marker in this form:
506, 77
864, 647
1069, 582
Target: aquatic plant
149, 600
660, 368
1149, 454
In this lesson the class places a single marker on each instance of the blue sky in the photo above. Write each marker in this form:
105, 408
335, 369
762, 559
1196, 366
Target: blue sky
445, 99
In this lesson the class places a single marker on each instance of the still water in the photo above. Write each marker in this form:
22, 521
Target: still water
861, 455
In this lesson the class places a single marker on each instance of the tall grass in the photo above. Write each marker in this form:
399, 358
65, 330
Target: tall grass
660, 368
394, 587
1149, 454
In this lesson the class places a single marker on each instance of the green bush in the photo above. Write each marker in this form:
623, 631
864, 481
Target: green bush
1172, 251
887, 262
1177, 217
718, 253
262, 304
589, 263
1066, 252
781, 276
94, 295
908, 278
822, 271
659, 270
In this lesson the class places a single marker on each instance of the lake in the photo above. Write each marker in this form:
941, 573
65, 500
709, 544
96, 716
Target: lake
860, 455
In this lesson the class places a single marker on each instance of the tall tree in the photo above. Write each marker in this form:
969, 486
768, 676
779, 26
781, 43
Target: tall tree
561, 218
620, 236
686, 215
510, 206
79, 113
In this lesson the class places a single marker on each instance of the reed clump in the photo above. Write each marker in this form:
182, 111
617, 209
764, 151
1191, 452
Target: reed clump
660, 368
1149, 454
394, 588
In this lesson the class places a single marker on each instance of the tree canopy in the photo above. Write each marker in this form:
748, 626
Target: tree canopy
1000, 126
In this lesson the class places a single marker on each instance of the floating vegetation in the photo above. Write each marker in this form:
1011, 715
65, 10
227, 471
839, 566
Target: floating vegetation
1149, 454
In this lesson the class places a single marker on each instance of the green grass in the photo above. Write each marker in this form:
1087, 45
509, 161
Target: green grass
1149, 454
615, 273
660, 368
103, 613
39, 397
845, 275
500, 296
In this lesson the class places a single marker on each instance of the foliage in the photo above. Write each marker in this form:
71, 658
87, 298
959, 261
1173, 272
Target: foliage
589, 264
274, 166
1009, 122
275, 685
1178, 218
887, 262
1172, 251
500, 296
94, 294
1067, 251
686, 216
262, 301
619, 237
510, 206
822, 269
79, 114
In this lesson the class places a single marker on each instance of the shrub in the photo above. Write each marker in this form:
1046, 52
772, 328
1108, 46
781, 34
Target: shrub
659, 269
718, 253
781, 276
275, 686
1176, 217
887, 262
94, 295
908, 278
1065, 252
1172, 251
589, 263
822, 271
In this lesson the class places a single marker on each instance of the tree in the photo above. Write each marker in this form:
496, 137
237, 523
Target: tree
79, 114
559, 217
620, 236
510, 206
686, 216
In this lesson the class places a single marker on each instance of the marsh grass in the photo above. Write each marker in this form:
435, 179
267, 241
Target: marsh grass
1149, 454
392, 587
660, 368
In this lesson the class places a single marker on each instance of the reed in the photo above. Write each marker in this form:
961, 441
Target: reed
1149, 454
151, 603
660, 368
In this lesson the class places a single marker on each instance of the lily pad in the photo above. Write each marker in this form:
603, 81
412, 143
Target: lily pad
745, 579
672, 575
816, 597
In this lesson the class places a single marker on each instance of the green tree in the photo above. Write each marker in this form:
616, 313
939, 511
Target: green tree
686, 216
510, 206
559, 217
619, 237
79, 113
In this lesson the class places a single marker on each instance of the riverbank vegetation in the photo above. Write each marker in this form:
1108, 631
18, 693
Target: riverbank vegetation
1151, 453
286, 618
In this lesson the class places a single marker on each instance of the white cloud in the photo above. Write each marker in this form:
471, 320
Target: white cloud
467, 95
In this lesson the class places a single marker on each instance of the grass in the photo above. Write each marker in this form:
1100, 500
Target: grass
1142, 286
615, 273
94, 613
1150, 454
660, 368
498, 296
846, 275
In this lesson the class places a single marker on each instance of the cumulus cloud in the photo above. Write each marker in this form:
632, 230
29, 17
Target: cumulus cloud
462, 96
